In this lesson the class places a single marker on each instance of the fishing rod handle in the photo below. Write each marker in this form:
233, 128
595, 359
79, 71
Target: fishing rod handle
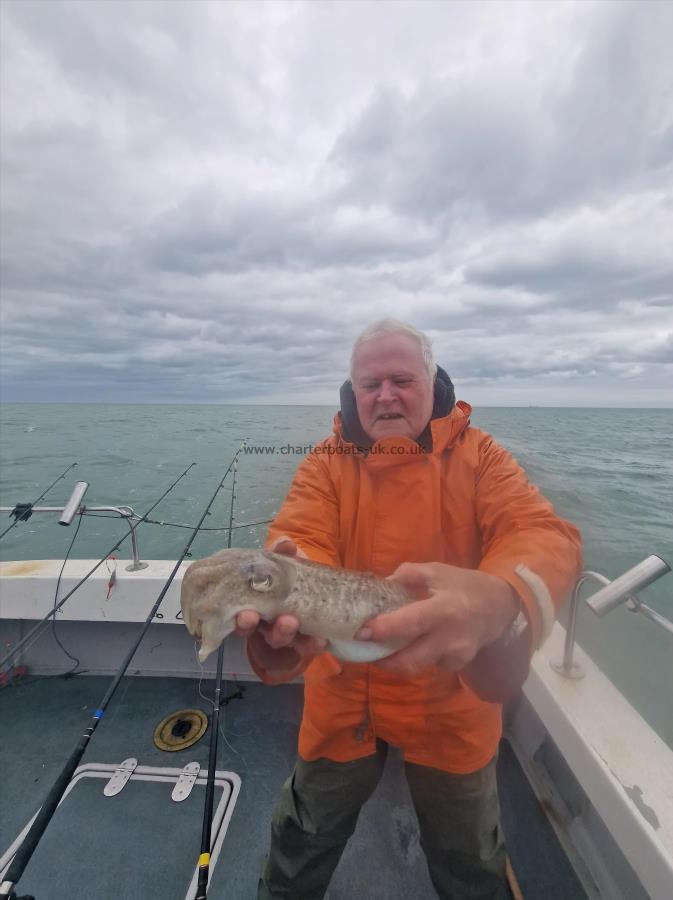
7, 892
47, 810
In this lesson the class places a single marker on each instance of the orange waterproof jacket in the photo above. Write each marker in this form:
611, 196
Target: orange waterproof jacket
467, 503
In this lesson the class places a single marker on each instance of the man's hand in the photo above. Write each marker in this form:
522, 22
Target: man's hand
278, 646
457, 612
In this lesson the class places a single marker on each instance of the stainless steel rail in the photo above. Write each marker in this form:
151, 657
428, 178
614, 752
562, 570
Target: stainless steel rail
125, 512
612, 595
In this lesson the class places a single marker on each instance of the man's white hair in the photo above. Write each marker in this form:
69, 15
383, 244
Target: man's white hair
394, 326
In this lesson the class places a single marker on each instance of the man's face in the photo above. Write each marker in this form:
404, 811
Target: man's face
393, 390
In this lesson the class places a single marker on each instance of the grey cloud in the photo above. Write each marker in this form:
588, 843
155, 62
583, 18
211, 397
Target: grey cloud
210, 232
149, 58
206, 202
514, 149
578, 278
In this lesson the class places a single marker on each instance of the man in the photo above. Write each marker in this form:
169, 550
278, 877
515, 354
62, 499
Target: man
406, 487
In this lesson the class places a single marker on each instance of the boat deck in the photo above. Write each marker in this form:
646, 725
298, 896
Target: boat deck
140, 844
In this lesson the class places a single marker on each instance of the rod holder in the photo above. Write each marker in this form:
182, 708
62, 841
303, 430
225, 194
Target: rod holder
610, 596
621, 589
72, 506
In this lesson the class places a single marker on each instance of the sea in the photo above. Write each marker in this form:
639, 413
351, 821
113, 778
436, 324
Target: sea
610, 471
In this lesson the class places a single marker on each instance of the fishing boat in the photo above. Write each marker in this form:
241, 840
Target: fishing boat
176, 772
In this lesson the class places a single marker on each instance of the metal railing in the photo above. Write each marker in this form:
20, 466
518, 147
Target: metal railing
612, 595
22, 512
126, 512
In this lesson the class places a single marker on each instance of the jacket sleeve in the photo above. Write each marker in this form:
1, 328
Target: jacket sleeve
310, 513
310, 517
523, 540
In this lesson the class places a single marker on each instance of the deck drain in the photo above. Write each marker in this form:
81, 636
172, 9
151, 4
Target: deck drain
180, 730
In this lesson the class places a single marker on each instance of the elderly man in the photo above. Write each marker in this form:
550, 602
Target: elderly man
405, 487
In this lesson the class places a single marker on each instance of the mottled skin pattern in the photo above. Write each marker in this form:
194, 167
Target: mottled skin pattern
329, 603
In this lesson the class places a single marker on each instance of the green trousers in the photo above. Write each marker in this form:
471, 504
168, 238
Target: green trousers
458, 815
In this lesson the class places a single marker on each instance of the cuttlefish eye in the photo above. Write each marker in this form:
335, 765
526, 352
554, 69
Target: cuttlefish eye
260, 583
260, 574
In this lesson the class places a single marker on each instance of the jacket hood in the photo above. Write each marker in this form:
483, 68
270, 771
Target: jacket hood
348, 427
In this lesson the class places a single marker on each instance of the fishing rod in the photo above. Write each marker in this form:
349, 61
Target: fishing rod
48, 808
204, 857
22, 511
33, 633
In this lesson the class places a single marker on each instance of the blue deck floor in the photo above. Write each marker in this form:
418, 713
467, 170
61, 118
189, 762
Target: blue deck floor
42, 719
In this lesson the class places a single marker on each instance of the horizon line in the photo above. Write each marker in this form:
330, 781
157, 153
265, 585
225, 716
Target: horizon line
249, 403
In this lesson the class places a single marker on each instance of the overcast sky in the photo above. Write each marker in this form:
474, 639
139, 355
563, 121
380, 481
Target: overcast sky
205, 202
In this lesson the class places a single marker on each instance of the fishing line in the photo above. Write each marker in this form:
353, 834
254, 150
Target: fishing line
210, 700
23, 511
44, 816
33, 633
73, 670
204, 857
95, 515
58, 584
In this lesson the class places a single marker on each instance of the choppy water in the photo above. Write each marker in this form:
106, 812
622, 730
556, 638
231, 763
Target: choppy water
609, 471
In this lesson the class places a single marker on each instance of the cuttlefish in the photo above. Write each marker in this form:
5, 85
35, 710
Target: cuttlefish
329, 603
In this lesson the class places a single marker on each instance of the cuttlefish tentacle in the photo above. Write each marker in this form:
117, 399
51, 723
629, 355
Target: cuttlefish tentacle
213, 632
